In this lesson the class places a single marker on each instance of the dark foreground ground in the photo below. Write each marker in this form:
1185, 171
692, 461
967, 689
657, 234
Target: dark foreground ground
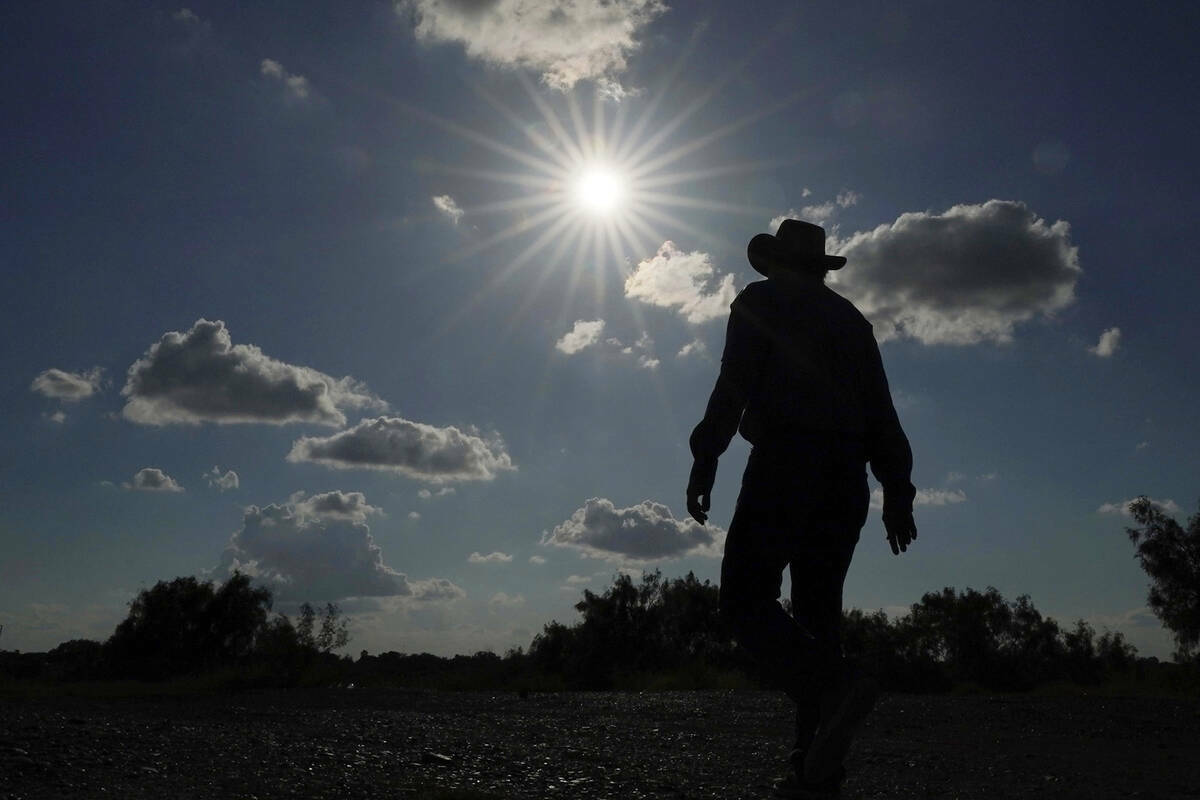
460, 746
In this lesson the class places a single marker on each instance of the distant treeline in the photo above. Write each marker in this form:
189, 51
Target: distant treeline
656, 633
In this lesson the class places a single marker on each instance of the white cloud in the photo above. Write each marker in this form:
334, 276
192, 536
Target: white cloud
585, 333
644, 532
414, 515
684, 282
295, 86
579, 580
420, 451
70, 387
806, 192
647, 362
490, 558
152, 479
186, 16
505, 600
1142, 445
222, 482
925, 497
847, 198
1166, 506
965, 276
447, 205
319, 549
201, 376
1109, 341
59, 417
954, 476
426, 494
565, 41
693, 348
818, 214
537, 560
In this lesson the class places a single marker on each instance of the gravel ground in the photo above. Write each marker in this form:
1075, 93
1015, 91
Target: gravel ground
410, 744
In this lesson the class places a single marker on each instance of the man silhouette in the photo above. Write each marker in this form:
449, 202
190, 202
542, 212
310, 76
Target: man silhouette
802, 380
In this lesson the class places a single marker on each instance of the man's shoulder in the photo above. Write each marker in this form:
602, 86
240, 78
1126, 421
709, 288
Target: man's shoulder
845, 308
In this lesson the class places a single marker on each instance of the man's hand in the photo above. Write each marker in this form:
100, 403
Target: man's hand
699, 489
901, 528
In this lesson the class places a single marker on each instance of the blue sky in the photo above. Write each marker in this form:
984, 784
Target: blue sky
312, 290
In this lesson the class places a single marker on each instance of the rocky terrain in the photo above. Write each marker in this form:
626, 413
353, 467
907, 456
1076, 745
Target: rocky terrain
475, 746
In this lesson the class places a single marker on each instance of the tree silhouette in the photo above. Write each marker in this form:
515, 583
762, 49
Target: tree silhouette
1170, 555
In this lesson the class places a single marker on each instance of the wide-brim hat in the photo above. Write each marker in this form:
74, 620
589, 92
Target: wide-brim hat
797, 244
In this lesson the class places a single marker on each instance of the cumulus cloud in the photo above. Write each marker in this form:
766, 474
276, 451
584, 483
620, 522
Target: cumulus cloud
1109, 341
1166, 506
295, 86
565, 41
221, 481
964, 276
58, 417
447, 205
693, 348
537, 560
585, 334
426, 494
152, 479
644, 532
648, 362
201, 376
491, 558
320, 549
70, 387
420, 451
926, 497
186, 16
414, 515
684, 282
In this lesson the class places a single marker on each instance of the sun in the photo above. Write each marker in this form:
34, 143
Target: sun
599, 189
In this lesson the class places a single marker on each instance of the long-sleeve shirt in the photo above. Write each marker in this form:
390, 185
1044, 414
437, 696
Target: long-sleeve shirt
801, 365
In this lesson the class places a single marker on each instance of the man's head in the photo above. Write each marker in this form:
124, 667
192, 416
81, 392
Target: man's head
797, 246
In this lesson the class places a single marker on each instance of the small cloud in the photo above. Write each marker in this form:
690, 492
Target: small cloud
684, 282
201, 376
647, 531
69, 387
925, 497
427, 494
847, 198
295, 86
420, 451
1122, 508
58, 416
989, 476
584, 334
505, 600
186, 16
447, 205
954, 477
221, 481
579, 580
1142, 445
818, 214
490, 558
806, 192
565, 42
1109, 341
646, 362
152, 479
693, 348
414, 515
537, 560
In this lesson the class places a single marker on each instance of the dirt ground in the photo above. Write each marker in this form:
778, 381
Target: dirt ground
412, 744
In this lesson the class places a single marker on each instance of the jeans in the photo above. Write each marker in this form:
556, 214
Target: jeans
805, 512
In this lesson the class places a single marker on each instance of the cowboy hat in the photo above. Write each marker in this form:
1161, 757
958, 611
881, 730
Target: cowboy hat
797, 244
